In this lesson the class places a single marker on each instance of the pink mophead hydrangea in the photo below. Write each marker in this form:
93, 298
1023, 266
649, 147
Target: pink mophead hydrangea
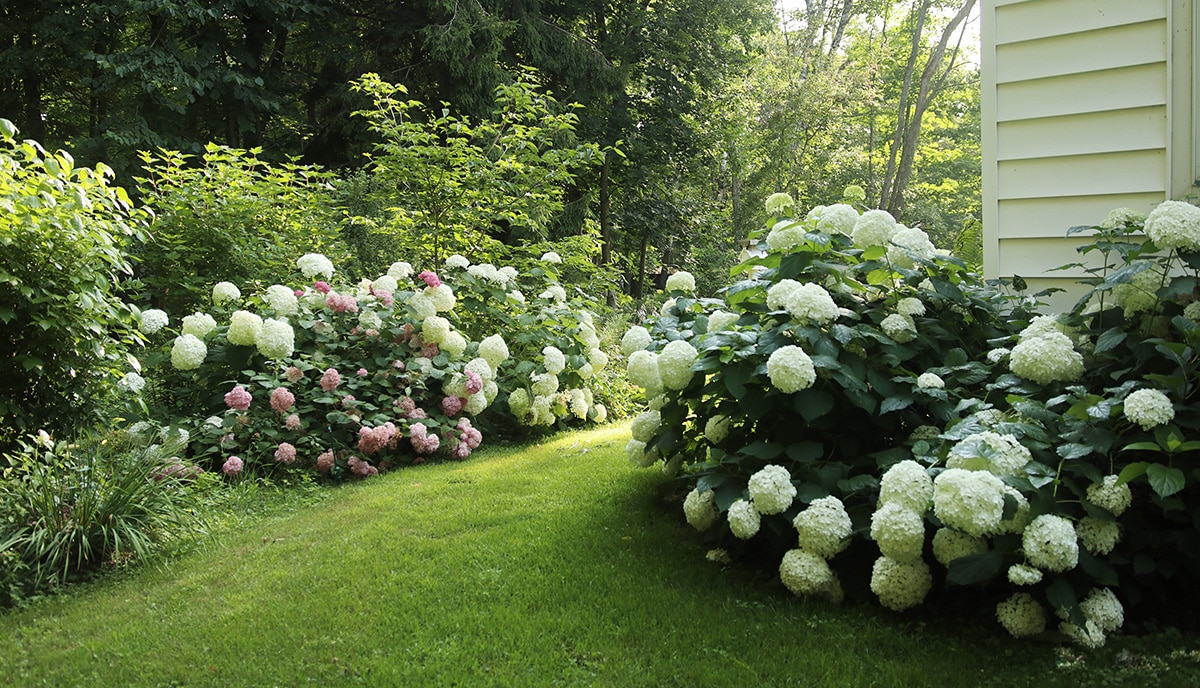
238, 398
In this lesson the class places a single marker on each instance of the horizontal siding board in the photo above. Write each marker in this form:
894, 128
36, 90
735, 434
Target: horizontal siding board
1140, 129
1033, 20
1052, 217
1027, 257
1121, 46
1058, 302
1083, 175
1116, 89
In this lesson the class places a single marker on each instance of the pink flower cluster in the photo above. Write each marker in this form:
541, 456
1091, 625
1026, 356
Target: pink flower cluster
232, 466
429, 350
282, 399
374, 440
238, 398
469, 438
285, 454
430, 279
292, 422
322, 287
325, 461
422, 441
293, 374
361, 468
362, 372
474, 383
330, 379
341, 303
452, 406
385, 297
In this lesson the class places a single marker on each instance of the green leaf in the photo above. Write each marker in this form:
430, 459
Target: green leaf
762, 450
1110, 339
735, 378
1073, 450
805, 451
894, 404
813, 404
1165, 481
1132, 472
1143, 446
975, 569
1098, 569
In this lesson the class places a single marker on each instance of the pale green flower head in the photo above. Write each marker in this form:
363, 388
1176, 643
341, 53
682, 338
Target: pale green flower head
854, 193
779, 203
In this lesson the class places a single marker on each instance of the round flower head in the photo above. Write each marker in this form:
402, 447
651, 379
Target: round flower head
232, 466
743, 519
238, 398
1050, 543
198, 324
285, 453
244, 327
720, 320
643, 371
771, 490
899, 327
716, 429
435, 329
1192, 311
598, 359
785, 235
276, 340
1097, 536
554, 293
930, 381
1043, 324
1046, 358
908, 242
950, 544
854, 192
1122, 217
1174, 225
1107, 494
519, 403
1149, 408
700, 509
645, 426
442, 297
385, 283
681, 281
898, 585
1020, 574
779, 203
400, 270
551, 257
554, 360
636, 339
972, 501
597, 413
1140, 293
1102, 606
494, 350
838, 218
812, 303
458, 262
1001, 455
780, 294
543, 384
1090, 635
997, 354
282, 399
132, 382
824, 527
1021, 615
153, 320
873, 228
675, 364
790, 369
330, 379
225, 291
314, 264
910, 306
188, 352
281, 299
1020, 518
907, 484
900, 533
805, 573
636, 452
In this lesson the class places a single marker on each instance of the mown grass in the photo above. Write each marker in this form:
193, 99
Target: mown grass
551, 565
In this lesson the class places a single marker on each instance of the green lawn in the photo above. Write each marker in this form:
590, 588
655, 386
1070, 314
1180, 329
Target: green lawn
537, 566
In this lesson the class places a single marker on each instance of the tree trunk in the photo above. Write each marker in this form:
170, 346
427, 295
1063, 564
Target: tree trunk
921, 7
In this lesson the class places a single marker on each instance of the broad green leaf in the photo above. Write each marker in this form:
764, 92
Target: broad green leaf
975, 569
1165, 481
895, 404
762, 450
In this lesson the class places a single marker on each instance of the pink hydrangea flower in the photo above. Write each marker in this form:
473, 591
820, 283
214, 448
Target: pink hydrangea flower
460, 451
362, 372
417, 413
474, 383
232, 466
361, 468
238, 398
372, 332
285, 454
341, 303
430, 279
429, 350
325, 461
452, 406
322, 287
282, 399
293, 374
374, 440
398, 364
385, 297
298, 293
292, 422
330, 379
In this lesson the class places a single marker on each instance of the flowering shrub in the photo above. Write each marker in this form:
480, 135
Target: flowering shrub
863, 395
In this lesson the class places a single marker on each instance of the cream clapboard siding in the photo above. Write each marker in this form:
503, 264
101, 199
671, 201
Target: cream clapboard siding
1087, 106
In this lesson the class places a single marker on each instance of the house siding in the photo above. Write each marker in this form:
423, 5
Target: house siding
1086, 107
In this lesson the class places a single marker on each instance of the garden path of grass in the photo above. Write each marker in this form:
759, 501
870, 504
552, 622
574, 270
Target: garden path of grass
550, 565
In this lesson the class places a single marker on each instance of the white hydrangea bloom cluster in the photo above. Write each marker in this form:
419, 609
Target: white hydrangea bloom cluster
435, 329
824, 527
997, 354
675, 364
790, 369
779, 203
636, 338
635, 450
873, 228
785, 234
1122, 217
700, 509
949, 544
1046, 358
930, 381
422, 305
899, 532
716, 429
1103, 607
805, 573
276, 340
839, 218
551, 257
1043, 324
1017, 522
744, 520
543, 384
720, 320
554, 293
1098, 536
457, 262
809, 302
1149, 408
1174, 225
682, 281
899, 327
971, 501
1050, 543
188, 352
225, 291
907, 242
442, 297
132, 382
1192, 311
198, 324
494, 350
645, 426
385, 283
1107, 494
900, 585
153, 320
315, 264
369, 320
1021, 574
400, 270
907, 484
910, 306
1001, 455
1139, 294
244, 327
771, 489
1021, 615
281, 299
554, 360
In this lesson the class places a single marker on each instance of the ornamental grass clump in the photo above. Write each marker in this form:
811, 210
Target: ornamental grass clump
932, 433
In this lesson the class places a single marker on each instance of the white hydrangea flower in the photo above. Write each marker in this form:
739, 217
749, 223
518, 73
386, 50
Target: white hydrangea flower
911, 306
779, 203
700, 508
645, 426
838, 218
899, 327
385, 283
188, 352
554, 293
281, 299
635, 451
785, 235
1021, 615
1107, 494
790, 369
873, 228
716, 429
949, 544
198, 324
476, 403
1174, 225
276, 340
153, 320
995, 355
543, 384
314, 264
675, 364
442, 297
519, 403
1090, 635
744, 520
805, 573
781, 293
1020, 574
598, 413
1140, 293
824, 527
907, 484
551, 257
1149, 408
1020, 517
553, 359
400, 270
1102, 606
481, 367
598, 359
458, 262
1122, 217
899, 532
1050, 543
454, 345
225, 291
435, 329
422, 306
681, 281
972, 501
930, 381
1097, 536
900, 585
1043, 324
771, 490
131, 382
1192, 311
1002, 455
636, 339
494, 350
720, 320
1047, 358
812, 303
907, 242
369, 320
244, 327
666, 307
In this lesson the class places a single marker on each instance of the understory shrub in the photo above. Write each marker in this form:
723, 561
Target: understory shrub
860, 408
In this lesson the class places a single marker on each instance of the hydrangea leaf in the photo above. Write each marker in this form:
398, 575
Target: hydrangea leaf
1165, 481
975, 569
